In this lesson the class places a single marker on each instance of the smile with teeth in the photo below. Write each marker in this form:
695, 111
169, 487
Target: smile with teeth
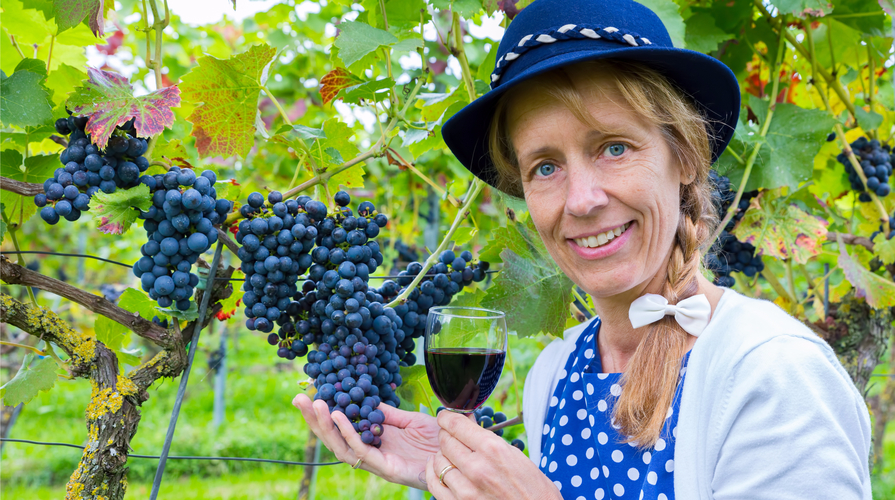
602, 238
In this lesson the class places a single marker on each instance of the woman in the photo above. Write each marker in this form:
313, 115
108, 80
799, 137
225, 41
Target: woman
609, 132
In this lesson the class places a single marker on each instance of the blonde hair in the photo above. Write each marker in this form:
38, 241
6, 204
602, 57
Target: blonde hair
651, 378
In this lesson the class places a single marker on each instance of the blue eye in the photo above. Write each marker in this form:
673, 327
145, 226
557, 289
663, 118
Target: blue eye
546, 169
616, 149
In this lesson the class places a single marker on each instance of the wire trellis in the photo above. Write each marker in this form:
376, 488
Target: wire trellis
178, 457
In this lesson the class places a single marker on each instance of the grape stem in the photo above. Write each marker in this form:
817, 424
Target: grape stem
460, 54
12, 229
442, 192
15, 44
753, 155
771, 278
471, 195
23, 346
508, 423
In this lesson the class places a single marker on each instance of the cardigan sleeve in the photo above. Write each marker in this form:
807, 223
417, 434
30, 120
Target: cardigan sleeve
792, 426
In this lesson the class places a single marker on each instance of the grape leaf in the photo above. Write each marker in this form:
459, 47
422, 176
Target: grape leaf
786, 158
868, 120
24, 100
70, 13
884, 249
189, 315
116, 212
669, 13
308, 133
879, 292
172, 151
702, 33
226, 96
357, 40
134, 300
108, 100
116, 337
367, 90
334, 81
804, 8
338, 137
530, 288
781, 230
463, 234
466, 8
414, 390
31, 378
230, 304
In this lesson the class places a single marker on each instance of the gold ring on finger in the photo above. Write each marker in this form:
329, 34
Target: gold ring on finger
359, 461
444, 471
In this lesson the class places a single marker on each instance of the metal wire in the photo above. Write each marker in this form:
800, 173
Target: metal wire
122, 264
231, 459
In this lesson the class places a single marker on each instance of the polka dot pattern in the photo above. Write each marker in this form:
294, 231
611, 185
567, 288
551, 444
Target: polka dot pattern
588, 457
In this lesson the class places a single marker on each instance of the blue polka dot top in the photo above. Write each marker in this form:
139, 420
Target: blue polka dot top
582, 451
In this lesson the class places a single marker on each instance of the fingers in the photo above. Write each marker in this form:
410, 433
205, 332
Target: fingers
454, 450
316, 414
464, 430
434, 485
458, 486
352, 438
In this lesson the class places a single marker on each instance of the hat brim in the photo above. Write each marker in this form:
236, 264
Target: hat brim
706, 80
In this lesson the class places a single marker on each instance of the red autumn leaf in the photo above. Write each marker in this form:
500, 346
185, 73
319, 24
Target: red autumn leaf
108, 100
70, 13
334, 81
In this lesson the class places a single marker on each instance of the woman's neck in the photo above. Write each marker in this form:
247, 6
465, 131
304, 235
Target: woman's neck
618, 341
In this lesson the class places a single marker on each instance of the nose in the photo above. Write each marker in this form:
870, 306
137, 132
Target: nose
584, 191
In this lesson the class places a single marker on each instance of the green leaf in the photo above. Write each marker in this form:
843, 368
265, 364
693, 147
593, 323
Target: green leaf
879, 292
338, 137
70, 13
463, 234
226, 96
786, 157
804, 8
702, 34
134, 300
116, 337
466, 8
469, 299
867, 17
782, 230
413, 135
308, 133
484, 71
357, 40
868, 120
847, 48
31, 378
108, 100
414, 390
189, 315
670, 15
367, 90
530, 288
116, 212
24, 101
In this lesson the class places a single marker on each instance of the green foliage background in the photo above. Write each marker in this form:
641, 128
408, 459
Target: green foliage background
252, 109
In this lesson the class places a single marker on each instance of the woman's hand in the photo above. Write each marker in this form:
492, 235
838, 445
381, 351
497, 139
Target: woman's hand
408, 439
487, 466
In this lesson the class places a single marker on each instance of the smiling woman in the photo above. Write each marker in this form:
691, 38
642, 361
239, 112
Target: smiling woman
678, 388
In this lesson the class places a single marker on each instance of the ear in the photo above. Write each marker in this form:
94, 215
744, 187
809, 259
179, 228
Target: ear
687, 177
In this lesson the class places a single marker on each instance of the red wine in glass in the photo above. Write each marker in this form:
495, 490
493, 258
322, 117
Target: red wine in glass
465, 350
463, 377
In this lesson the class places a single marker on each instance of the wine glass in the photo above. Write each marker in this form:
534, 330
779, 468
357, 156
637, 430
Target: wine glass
465, 349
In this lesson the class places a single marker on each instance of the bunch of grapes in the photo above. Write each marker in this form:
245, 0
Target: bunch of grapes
179, 226
486, 417
354, 345
276, 240
729, 255
875, 161
87, 169
444, 280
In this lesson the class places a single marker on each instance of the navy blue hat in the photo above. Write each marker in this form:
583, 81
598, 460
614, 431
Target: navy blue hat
548, 34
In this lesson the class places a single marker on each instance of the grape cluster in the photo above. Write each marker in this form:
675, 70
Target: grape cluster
87, 169
354, 345
179, 226
875, 161
730, 255
444, 280
276, 240
486, 417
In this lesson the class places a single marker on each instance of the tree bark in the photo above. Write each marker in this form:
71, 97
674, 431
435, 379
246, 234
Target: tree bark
19, 187
113, 413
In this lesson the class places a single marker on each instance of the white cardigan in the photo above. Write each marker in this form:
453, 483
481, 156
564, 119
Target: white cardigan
767, 411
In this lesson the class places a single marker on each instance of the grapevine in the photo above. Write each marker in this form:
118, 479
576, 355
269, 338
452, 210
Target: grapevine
875, 162
731, 255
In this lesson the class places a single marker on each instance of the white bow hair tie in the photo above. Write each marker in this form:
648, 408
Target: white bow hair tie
691, 313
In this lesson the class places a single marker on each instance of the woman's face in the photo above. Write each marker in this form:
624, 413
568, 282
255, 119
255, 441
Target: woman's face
606, 202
